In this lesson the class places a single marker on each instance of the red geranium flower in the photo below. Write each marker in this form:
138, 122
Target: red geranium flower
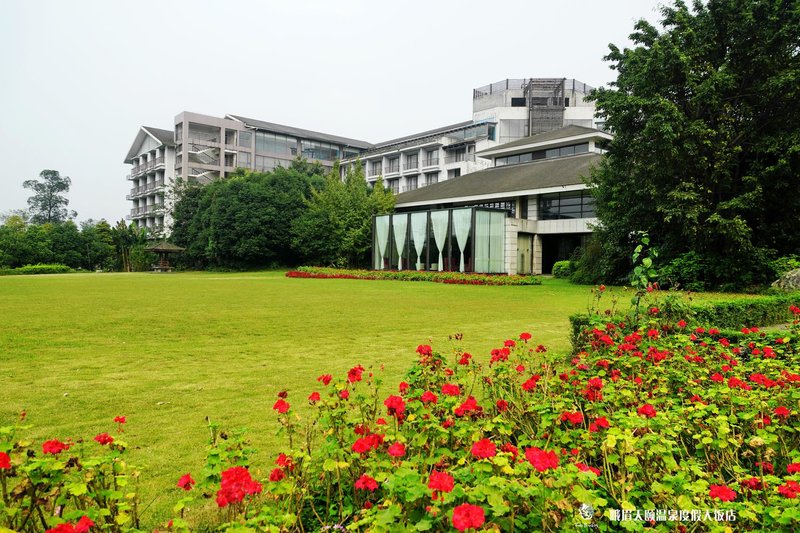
440, 482
752, 483
55, 446
366, 482
575, 418
424, 350
599, 423
325, 379
722, 493
525, 336
793, 468
397, 449
531, 383
465, 358
5, 461
541, 460
82, 526
186, 482
586, 468
395, 406
428, 397
448, 389
314, 397
502, 405
354, 374
281, 405
470, 406
483, 449
790, 489
403, 387
468, 516
782, 411
647, 411
285, 461
277, 474
119, 419
509, 343
104, 438
235, 485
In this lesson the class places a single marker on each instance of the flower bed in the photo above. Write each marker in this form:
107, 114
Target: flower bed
678, 432
458, 278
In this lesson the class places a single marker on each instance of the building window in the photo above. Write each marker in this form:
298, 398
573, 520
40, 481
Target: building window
349, 153
271, 143
412, 161
431, 178
508, 206
315, 150
492, 130
245, 139
393, 185
265, 164
393, 166
244, 160
431, 158
565, 205
375, 168
411, 183
453, 173
518, 102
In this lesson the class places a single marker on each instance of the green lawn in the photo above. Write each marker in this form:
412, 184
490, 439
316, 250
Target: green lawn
169, 350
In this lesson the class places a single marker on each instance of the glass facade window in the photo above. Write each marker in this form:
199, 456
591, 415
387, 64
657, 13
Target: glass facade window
265, 164
411, 183
245, 139
393, 165
244, 159
412, 161
552, 153
350, 152
463, 239
565, 205
315, 150
431, 178
375, 168
272, 143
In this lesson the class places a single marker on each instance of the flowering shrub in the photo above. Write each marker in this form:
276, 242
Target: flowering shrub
513, 440
459, 278
66, 486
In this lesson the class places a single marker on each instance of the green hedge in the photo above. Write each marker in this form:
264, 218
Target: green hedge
36, 269
562, 269
729, 316
457, 278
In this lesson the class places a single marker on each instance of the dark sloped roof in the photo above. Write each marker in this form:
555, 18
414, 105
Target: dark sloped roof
164, 246
508, 179
299, 132
553, 135
165, 137
428, 133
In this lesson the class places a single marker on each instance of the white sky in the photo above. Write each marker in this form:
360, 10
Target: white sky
79, 77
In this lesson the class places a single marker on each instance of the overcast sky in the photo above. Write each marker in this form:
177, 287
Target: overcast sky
80, 77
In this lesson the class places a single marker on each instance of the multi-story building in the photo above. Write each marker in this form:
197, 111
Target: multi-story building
501, 112
203, 148
529, 210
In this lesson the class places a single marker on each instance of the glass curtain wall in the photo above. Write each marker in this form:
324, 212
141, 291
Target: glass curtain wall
464, 240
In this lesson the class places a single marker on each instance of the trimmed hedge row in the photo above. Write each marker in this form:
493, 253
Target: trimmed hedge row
457, 278
36, 269
729, 316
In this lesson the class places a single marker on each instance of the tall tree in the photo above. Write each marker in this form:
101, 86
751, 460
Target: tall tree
48, 204
706, 151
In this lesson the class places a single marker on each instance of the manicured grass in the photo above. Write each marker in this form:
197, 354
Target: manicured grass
169, 350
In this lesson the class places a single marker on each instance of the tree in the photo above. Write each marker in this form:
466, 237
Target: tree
336, 227
706, 151
47, 205
126, 239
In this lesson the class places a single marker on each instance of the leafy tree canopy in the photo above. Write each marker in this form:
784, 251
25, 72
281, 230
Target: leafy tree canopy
706, 153
48, 204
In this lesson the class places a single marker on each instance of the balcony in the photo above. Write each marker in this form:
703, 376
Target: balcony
459, 158
375, 171
391, 169
413, 165
432, 162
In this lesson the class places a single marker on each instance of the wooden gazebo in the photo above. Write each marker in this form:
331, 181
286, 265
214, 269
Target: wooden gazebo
163, 249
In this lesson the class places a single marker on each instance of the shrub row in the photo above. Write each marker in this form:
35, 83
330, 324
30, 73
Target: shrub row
562, 269
459, 278
729, 316
36, 269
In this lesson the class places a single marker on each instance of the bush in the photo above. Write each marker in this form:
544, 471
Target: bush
562, 269
37, 269
456, 278
782, 265
687, 271
587, 267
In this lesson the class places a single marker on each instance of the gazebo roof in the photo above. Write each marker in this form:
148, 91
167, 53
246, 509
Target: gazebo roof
165, 248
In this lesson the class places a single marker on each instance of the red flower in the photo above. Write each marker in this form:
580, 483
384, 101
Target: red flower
5, 461
752, 483
541, 460
55, 446
510, 448
502, 405
465, 358
285, 461
483, 449
525, 336
722, 493
345, 394
119, 419
440, 482
325, 379
793, 468
397, 449
531, 383
469, 406
395, 406
647, 410
681, 323
235, 485
186, 482
782, 411
767, 467
403, 387
586, 468
104, 438
428, 397
448, 389
354, 374
424, 350
509, 343
790, 489
595, 383
467, 516
314, 397
575, 418
277, 474
82, 526
281, 406
381, 422
366, 482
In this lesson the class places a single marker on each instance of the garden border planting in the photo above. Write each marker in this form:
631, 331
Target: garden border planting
455, 278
